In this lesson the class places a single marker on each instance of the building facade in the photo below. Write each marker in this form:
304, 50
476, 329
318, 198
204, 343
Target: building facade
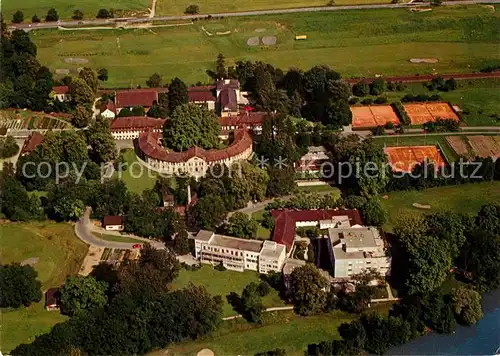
130, 127
239, 254
195, 161
356, 249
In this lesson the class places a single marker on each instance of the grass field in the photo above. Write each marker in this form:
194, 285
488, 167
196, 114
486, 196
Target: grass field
467, 198
222, 283
136, 176
281, 330
65, 9
356, 43
169, 8
60, 254
116, 238
479, 99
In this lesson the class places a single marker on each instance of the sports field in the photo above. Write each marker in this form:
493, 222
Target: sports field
404, 159
59, 254
373, 116
420, 113
169, 8
356, 43
65, 8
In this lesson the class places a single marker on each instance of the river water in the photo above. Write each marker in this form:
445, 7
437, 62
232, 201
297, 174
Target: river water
480, 339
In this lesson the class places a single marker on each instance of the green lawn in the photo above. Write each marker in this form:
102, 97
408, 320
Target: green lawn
60, 253
467, 198
169, 8
262, 232
65, 9
356, 43
319, 188
136, 176
281, 330
116, 238
222, 283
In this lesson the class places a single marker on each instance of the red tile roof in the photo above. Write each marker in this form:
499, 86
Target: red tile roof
136, 97
62, 89
200, 96
32, 142
228, 99
140, 123
285, 220
149, 144
248, 119
112, 220
109, 105
202, 88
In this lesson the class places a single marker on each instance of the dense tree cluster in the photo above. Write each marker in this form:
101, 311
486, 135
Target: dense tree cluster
8, 147
18, 286
24, 83
249, 304
82, 293
141, 313
191, 125
232, 191
241, 225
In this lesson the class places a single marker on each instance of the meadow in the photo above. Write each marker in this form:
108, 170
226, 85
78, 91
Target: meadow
137, 177
65, 9
60, 253
356, 43
224, 282
466, 198
169, 8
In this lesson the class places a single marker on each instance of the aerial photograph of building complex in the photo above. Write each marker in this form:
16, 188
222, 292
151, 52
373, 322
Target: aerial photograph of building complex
271, 178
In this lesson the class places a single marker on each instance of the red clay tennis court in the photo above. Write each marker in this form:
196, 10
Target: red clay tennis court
372, 116
404, 159
420, 113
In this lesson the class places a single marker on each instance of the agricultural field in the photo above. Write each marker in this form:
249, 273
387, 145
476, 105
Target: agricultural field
65, 9
29, 120
59, 253
169, 8
356, 43
465, 198
224, 282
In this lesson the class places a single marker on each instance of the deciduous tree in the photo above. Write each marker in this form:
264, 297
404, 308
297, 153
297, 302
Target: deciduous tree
82, 293
52, 15
18, 286
191, 125
154, 81
308, 290
467, 305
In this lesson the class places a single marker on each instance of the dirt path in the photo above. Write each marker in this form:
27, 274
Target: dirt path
152, 11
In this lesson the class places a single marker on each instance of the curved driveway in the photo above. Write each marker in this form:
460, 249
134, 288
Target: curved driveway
83, 229
131, 20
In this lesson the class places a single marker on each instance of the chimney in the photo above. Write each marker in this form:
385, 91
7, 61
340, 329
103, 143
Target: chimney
189, 194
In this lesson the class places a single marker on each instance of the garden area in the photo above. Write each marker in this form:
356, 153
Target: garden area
224, 282
29, 120
54, 252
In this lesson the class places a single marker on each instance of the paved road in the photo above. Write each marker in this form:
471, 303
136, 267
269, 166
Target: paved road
83, 230
131, 20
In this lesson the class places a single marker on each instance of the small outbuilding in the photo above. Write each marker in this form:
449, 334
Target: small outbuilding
113, 223
52, 299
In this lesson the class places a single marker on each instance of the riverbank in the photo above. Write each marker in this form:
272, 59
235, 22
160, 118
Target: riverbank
480, 339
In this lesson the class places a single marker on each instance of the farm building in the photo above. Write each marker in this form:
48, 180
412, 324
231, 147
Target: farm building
135, 97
